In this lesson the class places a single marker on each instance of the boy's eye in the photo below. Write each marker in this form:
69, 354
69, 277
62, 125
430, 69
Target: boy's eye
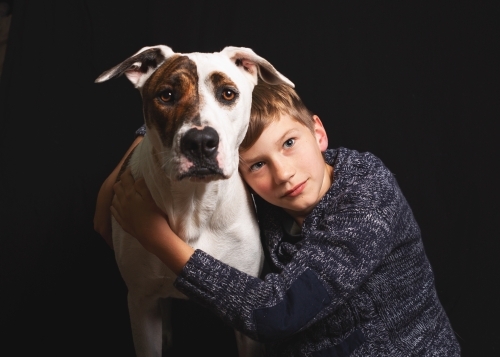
256, 166
289, 143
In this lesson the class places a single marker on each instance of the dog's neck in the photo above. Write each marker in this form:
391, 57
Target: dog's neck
190, 206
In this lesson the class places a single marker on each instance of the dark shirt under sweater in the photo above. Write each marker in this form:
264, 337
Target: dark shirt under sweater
356, 282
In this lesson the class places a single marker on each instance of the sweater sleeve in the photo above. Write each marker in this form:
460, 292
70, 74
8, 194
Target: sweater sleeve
340, 249
248, 303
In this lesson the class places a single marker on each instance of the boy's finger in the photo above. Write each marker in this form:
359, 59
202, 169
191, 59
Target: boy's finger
115, 214
127, 179
118, 188
142, 189
115, 204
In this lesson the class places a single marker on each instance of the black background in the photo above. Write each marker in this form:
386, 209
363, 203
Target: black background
413, 82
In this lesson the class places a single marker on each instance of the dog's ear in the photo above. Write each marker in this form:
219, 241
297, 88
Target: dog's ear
140, 66
255, 66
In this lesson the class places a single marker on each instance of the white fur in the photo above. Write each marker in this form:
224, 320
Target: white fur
215, 216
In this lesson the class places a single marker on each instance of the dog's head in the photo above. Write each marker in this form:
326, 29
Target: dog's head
196, 105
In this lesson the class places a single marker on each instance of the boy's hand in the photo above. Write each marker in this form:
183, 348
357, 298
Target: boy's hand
137, 213
102, 215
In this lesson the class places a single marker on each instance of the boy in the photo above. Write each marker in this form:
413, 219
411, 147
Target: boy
348, 272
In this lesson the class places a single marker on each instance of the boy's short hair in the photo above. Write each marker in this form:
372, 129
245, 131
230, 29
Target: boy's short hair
269, 102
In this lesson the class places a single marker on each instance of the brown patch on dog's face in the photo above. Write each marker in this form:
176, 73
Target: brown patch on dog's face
225, 90
171, 97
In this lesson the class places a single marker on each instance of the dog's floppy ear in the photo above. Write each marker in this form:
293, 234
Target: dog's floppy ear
140, 66
255, 66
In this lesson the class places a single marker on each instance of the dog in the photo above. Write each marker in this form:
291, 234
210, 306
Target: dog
196, 111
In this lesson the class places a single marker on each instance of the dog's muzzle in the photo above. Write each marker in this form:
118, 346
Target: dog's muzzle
200, 146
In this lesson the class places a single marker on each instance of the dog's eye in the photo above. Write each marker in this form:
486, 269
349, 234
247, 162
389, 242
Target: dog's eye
166, 96
228, 94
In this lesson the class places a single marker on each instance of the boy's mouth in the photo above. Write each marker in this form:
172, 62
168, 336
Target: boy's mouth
297, 190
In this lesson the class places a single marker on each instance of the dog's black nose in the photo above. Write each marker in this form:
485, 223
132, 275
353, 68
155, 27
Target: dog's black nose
200, 143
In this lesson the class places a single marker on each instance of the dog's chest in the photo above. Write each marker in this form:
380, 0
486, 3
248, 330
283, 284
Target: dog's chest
194, 221
194, 211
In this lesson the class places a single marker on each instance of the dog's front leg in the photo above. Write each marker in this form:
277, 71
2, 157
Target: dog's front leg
248, 347
146, 322
166, 307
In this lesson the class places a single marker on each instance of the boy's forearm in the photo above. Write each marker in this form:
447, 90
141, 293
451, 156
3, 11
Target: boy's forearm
173, 252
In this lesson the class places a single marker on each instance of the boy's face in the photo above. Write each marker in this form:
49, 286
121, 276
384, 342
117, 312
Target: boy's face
285, 166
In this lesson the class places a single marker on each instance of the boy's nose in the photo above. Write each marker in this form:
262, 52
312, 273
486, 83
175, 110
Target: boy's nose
283, 172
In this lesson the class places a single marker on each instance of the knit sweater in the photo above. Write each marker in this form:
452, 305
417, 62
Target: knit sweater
355, 281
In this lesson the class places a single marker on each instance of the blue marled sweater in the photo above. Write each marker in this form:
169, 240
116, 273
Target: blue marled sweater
355, 282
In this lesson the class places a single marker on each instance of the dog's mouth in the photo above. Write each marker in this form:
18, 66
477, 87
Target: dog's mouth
202, 174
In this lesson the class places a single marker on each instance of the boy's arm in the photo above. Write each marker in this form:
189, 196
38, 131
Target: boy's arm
102, 215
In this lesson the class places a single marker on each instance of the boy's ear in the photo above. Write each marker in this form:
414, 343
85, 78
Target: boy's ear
320, 133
